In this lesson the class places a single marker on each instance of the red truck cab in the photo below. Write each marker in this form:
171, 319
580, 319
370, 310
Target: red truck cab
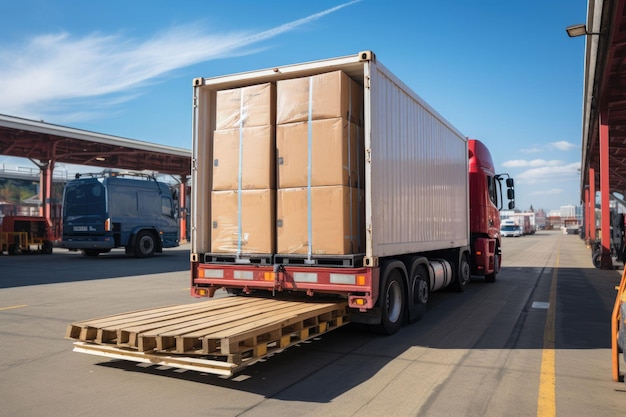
485, 188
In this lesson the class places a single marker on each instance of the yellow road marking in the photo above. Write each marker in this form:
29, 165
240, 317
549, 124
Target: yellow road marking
546, 406
12, 307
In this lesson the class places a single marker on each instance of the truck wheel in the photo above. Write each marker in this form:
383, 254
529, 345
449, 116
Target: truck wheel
596, 258
418, 291
13, 249
145, 245
463, 273
496, 267
392, 299
46, 247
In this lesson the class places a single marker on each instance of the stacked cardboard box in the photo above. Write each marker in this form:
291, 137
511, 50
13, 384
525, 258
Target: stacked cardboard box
334, 220
334, 146
243, 221
319, 142
243, 196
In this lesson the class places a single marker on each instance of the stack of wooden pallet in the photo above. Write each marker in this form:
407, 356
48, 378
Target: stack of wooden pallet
227, 333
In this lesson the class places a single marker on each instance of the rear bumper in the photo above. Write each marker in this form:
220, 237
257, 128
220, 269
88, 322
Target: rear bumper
90, 242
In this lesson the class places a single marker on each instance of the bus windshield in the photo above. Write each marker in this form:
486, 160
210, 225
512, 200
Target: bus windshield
84, 198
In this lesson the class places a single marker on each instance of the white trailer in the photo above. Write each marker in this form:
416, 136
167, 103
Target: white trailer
416, 188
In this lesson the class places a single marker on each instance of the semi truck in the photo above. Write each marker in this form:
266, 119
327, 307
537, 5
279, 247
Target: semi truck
323, 193
525, 222
510, 228
424, 210
112, 209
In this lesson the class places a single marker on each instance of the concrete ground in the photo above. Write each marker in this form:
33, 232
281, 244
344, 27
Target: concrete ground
536, 342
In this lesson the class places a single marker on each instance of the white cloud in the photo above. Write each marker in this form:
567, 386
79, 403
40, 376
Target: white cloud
560, 145
550, 192
534, 149
563, 145
45, 75
549, 173
522, 163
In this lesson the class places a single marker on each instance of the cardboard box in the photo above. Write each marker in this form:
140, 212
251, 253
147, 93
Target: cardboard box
335, 147
252, 106
253, 232
331, 95
336, 217
256, 148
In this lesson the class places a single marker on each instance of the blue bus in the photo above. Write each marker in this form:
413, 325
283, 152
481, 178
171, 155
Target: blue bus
119, 209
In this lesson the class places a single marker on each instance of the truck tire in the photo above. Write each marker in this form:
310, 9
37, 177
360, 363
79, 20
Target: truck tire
145, 245
46, 247
596, 258
496, 268
392, 301
418, 291
463, 273
13, 249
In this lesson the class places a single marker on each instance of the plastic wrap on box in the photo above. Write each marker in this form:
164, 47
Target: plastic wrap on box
247, 153
333, 228
335, 149
254, 105
323, 96
243, 221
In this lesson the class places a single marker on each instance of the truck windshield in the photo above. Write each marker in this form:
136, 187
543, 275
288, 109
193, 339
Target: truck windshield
84, 198
509, 228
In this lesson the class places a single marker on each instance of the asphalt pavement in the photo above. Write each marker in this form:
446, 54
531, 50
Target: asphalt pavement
536, 342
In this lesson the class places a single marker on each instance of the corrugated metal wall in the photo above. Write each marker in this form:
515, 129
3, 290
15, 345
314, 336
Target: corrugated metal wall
419, 187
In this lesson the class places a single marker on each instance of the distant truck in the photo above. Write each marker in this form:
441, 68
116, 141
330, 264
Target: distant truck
510, 228
118, 209
25, 234
526, 222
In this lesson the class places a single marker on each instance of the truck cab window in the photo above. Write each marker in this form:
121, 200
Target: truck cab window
493, 194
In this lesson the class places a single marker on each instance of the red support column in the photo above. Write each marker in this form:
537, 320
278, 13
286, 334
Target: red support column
606, 262
182, 205
592, 202
46, 170
589, 209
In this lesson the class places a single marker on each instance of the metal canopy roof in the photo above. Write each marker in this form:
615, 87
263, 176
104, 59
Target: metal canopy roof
605, 92
43, 141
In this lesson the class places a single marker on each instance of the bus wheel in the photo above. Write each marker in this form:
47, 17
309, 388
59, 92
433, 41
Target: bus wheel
145, 245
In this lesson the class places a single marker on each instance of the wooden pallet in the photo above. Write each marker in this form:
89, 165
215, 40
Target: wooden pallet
233, 331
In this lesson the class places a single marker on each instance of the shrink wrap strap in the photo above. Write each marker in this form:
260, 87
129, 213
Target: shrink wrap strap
239, 178
309, 169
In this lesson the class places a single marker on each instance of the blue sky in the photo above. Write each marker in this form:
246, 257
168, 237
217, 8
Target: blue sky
504, 72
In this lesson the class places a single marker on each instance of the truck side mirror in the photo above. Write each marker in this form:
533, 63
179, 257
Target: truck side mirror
510, 193
511, 205
509, 182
